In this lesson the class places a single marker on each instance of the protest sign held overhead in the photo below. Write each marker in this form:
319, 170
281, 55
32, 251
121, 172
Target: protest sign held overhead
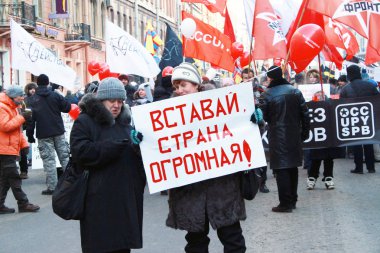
204, 136
125, 54
30, 55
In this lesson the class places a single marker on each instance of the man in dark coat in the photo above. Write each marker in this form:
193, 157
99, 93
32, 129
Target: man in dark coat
360, 88
47, 107
100, 142
287, 116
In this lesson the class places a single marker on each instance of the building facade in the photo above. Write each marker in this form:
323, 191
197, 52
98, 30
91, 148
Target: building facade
77, 36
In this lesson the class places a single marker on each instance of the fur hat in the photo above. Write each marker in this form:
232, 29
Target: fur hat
353, 72
342, 78
42, 80
14, 91
274, 72
188, 72
111, 88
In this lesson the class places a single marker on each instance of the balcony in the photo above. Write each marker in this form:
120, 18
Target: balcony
80, 32
21, 12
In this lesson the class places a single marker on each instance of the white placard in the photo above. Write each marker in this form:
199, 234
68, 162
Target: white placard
199, 136
308, 90
125, 54
30, 55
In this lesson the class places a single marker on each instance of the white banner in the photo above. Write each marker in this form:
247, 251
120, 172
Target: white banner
198, 137
124, 54
30, 55
309, 90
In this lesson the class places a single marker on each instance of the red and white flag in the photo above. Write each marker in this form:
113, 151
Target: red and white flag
228, 27
270, 41
208, 44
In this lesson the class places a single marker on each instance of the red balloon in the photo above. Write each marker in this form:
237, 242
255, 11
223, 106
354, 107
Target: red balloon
245, 59
74, 111
93, 67
306, 42
237, 50
167, 71
104, 71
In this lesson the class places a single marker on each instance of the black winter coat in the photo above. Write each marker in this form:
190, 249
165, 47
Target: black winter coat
358, 88
47, 107
286, 113
217, 200
114, 202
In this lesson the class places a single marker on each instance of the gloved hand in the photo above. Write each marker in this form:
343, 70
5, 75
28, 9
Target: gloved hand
305, 135
31, 139
24, 151
257, 116
27, 113
136, 137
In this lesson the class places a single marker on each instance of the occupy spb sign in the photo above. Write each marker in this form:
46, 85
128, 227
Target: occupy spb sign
199, 136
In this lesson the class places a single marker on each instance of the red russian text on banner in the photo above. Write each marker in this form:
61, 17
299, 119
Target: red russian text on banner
197, 137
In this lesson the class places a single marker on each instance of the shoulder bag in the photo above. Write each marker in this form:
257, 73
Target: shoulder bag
250, 183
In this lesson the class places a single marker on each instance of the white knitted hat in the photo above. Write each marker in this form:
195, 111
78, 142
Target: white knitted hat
188, 72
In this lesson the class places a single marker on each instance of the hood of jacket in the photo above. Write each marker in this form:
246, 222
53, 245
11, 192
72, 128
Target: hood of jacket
7, 101
93, 107
43, 91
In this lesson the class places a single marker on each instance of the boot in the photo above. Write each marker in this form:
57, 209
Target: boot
282, 209
329, 183
28, 208
264, 188
24, 175
310, 183
5, 210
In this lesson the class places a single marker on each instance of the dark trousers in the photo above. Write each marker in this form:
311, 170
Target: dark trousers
368, 154
263, 174
287, 184
306, 159
121, 251
23, 163
230, 236
10, 179
328, 165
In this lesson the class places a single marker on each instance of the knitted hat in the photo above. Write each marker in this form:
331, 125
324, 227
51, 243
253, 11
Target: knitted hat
111, 88
188, 72
342, 78
42, 80
274, 72
14, 91
353, 72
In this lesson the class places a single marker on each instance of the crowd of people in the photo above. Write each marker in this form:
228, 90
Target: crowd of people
104, 141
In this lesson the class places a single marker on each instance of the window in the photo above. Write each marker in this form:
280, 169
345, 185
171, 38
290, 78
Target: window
103, 10
125, 22
94, 17
38, 8
118, 19
112, 15
142, 31
130, 25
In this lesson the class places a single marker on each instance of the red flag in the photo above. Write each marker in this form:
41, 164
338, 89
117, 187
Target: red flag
270, 41
213, 6
360, 15
338, 35
331, 54
208, 44
228, 28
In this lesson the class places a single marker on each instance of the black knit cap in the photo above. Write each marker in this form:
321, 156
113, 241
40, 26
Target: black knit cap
42, 80
274, 72
353, 72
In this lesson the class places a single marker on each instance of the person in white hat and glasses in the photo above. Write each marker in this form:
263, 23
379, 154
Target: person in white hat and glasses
12, 141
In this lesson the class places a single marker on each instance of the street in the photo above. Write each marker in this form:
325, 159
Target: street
342, 220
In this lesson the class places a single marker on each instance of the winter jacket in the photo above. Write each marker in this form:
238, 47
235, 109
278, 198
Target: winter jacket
288, 121
358, 88
219, 200
114, 201
12, 139
47, 106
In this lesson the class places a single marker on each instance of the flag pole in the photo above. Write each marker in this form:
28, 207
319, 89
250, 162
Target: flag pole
320, 76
